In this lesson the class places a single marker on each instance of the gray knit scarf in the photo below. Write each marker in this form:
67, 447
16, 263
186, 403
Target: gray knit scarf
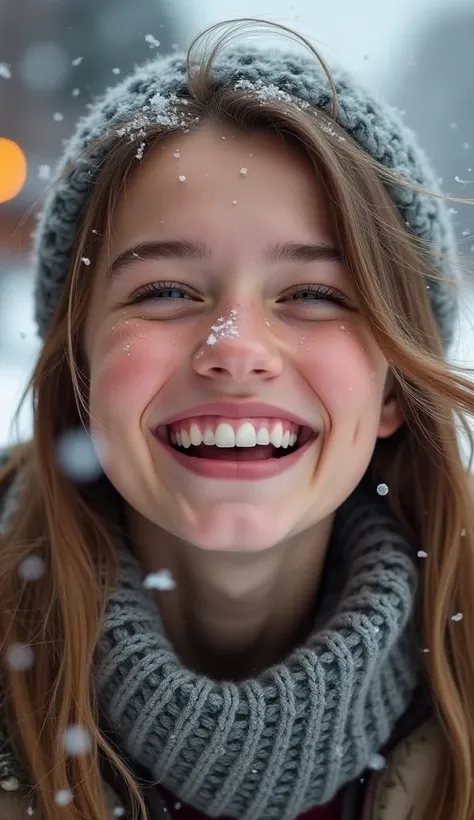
278, 744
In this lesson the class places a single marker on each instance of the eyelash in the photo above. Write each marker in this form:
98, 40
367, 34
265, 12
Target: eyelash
152, 290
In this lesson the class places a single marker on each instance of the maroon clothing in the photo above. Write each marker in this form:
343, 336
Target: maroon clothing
180, 811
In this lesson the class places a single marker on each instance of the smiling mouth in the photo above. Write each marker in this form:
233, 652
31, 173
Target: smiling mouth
256, 452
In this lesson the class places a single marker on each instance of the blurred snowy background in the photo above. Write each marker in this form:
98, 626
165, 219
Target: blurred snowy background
56, 54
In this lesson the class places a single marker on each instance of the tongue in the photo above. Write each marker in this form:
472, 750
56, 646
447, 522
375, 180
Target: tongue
234, 453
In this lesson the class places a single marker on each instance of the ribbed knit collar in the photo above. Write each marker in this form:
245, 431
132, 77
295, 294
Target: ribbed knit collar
275, 745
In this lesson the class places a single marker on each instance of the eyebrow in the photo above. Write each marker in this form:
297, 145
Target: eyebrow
305, 252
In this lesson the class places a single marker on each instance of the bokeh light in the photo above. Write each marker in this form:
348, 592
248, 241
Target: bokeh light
63, 797
13, 169
77, 456
77, 740
44, 66
20, 657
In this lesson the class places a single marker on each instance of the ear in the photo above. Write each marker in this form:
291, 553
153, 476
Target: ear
391, 417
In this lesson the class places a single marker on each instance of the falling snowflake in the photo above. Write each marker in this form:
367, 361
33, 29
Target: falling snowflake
458, 617
77, 740
243, 172
452, 211
32, 568
57, 117
77, 60
422, 554
176, 154
76, 92
44, 172
466, 146
377, 763
118, 811
63, 797
182, 179
234, 202
5, 71
20, 657
152, 41
85, 260
77, 456
382, 489
160, 580
10, 784
115, 71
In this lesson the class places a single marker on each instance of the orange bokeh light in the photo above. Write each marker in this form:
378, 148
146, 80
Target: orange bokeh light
13, 169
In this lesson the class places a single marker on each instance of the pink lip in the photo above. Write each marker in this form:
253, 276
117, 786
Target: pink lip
237, 470
238, 410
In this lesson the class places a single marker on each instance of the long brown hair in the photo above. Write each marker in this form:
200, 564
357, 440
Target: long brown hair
61, 614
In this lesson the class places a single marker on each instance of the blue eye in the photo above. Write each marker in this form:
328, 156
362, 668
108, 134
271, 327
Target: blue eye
319, 293
160, 292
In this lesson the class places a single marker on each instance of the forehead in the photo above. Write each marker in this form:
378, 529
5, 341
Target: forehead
216, 181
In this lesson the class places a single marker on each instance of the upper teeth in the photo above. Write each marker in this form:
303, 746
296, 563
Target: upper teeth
224, 436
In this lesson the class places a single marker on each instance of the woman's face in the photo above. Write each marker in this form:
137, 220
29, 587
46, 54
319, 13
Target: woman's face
218, 286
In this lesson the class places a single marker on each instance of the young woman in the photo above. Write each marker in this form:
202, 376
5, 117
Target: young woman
262, 606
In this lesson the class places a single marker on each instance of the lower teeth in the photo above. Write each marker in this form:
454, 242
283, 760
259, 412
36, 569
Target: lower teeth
235, 453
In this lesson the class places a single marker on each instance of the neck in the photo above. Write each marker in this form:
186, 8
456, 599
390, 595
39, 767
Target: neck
232, 614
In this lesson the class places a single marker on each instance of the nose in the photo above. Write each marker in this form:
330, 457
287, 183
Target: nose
239, 350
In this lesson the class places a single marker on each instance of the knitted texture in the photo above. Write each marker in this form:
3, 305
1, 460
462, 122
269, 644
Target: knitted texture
287, 740
147, 96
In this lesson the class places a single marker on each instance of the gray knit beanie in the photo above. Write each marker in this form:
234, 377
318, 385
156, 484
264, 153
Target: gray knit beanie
148, 95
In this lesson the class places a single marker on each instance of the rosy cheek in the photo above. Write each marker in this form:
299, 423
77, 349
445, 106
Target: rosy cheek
341, 364
128, 368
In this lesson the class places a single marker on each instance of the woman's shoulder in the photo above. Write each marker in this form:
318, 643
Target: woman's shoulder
403, 788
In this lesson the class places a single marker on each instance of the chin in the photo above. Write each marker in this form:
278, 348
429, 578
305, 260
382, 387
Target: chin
228, 530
